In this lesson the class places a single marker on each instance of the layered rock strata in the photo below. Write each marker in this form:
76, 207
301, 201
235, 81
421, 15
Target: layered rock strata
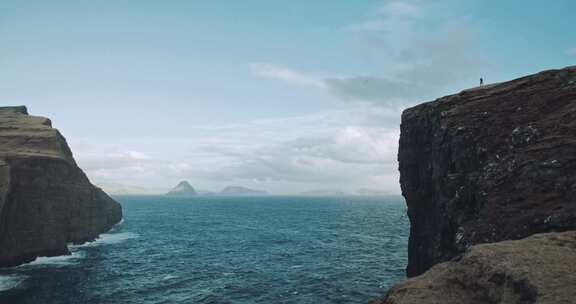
46, 201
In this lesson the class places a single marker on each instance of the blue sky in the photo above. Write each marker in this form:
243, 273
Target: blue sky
286, 96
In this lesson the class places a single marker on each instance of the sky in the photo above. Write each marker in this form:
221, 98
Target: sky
284, 96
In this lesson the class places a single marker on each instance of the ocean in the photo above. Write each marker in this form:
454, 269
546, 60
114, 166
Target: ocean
268, 249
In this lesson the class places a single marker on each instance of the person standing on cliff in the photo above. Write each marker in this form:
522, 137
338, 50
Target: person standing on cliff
481, 81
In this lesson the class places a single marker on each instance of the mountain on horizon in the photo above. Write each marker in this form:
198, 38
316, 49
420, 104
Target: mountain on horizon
238, 190
371, 192
182, 189
323, 192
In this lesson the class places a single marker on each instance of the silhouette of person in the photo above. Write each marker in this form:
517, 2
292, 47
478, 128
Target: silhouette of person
481, 81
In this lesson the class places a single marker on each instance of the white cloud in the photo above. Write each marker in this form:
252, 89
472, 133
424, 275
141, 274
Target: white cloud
368, 25
571, 51
286, 74
420, 57
137, 155
383, 90
128, 154
346, 158
400, 9
415, 58
423, 53
349, 148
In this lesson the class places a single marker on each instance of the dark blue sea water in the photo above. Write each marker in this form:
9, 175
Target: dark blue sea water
227, 250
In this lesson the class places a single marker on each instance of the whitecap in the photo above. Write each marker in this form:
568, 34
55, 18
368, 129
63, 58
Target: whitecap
108, 239
11, 281
169, 277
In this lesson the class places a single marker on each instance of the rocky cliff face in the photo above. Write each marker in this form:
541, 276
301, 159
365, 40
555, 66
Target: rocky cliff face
46, 201
489, 164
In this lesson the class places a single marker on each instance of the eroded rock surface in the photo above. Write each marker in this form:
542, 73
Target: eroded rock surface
489, 164
540, 269
46, 201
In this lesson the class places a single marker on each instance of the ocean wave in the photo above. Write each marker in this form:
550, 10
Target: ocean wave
108, 239
11, 281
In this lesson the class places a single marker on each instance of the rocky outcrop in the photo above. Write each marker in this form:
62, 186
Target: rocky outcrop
183, 189
46, 201
538, 269
489, 164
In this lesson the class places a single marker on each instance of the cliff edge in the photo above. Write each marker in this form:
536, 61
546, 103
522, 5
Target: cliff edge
489, 164
489, 177
46, 201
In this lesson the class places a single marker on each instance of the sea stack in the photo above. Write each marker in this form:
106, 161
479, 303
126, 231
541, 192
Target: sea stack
183, 189
46, 201
489, 177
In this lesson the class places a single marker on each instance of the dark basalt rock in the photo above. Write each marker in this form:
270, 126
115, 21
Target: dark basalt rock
539, 269
489, 164
46, 201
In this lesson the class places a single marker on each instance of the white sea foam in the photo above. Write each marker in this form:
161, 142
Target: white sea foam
61, 260
11, 281
169, 277
116, 226
108, 239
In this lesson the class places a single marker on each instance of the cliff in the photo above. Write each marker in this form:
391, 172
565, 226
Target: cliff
489, 164
46, 201
482, 171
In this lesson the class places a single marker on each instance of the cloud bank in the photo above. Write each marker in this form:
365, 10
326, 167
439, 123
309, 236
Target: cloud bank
418, 53
345, 149
421, 57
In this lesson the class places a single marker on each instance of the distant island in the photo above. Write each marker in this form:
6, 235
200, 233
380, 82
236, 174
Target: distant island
371, 192
206, 192
238, 190
323, 193
329, 192
183, 189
